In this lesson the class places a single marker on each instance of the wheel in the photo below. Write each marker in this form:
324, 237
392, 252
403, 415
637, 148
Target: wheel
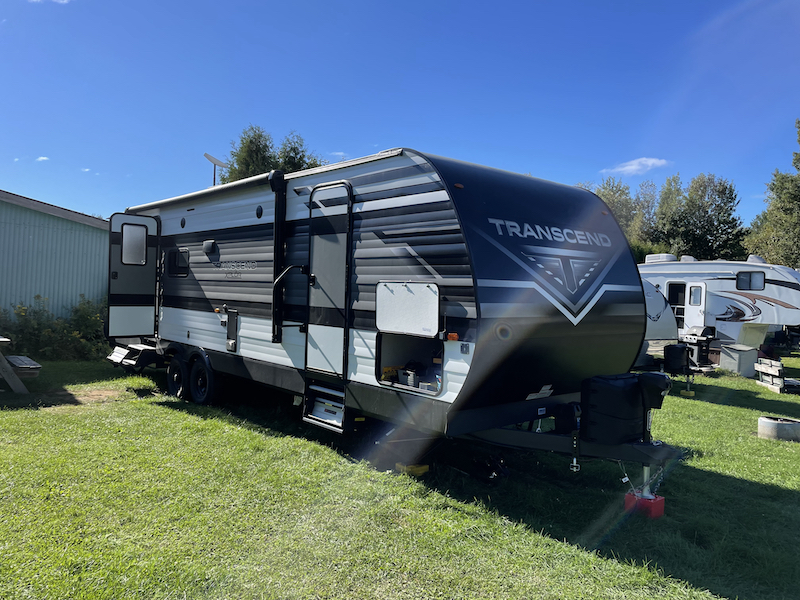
177, 378
202, 382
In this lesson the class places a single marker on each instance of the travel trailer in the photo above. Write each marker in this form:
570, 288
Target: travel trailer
740, 300
438, 295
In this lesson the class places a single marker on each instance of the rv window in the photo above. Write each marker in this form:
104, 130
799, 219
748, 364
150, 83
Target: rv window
750, 280
178, 263
134, 244
695, 295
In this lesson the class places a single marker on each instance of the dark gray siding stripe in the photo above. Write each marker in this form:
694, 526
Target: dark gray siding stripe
379, 177
240, 273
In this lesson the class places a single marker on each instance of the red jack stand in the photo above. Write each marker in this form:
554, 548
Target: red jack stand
644, 501
651, 507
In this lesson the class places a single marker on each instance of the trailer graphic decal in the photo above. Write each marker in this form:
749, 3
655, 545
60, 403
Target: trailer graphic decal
571, 280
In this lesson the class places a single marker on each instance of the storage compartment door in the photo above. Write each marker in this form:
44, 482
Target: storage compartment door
133, 268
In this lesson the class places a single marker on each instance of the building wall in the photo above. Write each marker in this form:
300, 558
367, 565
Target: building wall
56, 258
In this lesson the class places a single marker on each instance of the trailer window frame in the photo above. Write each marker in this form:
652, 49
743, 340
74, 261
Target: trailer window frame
751, 280
133, 244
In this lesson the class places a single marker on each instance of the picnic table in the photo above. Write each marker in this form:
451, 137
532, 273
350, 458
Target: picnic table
7, 371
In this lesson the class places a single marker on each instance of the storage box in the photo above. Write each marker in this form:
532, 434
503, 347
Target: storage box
739, 359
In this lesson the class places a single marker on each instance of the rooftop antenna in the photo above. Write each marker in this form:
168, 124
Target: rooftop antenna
217, 163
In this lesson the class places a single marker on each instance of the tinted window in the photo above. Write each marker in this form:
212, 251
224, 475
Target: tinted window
750, 280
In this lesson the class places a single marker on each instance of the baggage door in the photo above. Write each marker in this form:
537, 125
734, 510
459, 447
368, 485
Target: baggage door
329, 243
132, 273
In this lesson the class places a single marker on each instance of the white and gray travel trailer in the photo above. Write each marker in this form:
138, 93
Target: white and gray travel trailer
740, 300
419, 290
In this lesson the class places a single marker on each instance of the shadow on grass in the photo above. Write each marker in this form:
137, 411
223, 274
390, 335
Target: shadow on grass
50, 387
37, 400
733, 537
746, 399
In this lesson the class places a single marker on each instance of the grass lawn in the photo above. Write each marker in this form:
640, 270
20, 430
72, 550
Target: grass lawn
110, 489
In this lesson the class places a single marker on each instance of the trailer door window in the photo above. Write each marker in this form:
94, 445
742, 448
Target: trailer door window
695, 295
750, 280
134, 244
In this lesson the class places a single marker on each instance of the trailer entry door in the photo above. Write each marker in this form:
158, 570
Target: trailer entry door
695, 304
329, 243
133, 268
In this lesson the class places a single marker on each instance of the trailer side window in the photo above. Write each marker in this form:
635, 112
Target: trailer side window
695, 295
134, 244
750, 280
178, 262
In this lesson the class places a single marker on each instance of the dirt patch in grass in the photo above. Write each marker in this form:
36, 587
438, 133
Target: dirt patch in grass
57, 398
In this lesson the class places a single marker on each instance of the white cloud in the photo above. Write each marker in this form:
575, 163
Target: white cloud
16, 160
85, 170
339, 155
637, 166
42, 158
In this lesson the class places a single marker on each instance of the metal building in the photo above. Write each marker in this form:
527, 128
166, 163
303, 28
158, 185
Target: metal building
52, 252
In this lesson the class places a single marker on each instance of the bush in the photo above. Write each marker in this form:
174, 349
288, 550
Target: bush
36, 333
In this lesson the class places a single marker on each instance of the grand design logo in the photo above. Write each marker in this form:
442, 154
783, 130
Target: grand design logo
571, 278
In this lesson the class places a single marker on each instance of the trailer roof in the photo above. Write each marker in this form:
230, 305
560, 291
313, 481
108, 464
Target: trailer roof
263, 179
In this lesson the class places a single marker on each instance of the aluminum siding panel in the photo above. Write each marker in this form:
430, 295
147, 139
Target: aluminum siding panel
54, 258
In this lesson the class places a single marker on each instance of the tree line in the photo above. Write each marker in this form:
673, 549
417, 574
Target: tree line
697, 219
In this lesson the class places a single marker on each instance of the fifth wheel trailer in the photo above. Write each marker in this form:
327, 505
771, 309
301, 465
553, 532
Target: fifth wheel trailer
444, 296
740, 300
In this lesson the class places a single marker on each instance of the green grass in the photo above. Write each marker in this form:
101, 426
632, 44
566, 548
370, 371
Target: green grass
109, 489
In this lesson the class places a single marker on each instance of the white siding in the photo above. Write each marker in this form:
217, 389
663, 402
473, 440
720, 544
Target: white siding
52, 257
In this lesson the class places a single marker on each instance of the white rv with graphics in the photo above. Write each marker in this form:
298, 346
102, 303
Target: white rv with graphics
741, 300
423, 291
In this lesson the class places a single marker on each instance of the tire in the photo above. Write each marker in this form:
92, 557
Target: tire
177, 377
202, 382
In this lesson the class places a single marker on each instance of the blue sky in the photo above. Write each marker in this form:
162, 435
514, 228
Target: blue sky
108, 104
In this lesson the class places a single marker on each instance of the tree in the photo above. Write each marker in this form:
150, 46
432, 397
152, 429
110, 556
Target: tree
775, 233
701, 220
635, 214
670, 199
255, 153
617, 196
642, 226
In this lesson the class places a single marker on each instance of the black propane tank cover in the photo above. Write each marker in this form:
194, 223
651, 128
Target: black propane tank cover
611, 409
654, 387
676, 359
614, 395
